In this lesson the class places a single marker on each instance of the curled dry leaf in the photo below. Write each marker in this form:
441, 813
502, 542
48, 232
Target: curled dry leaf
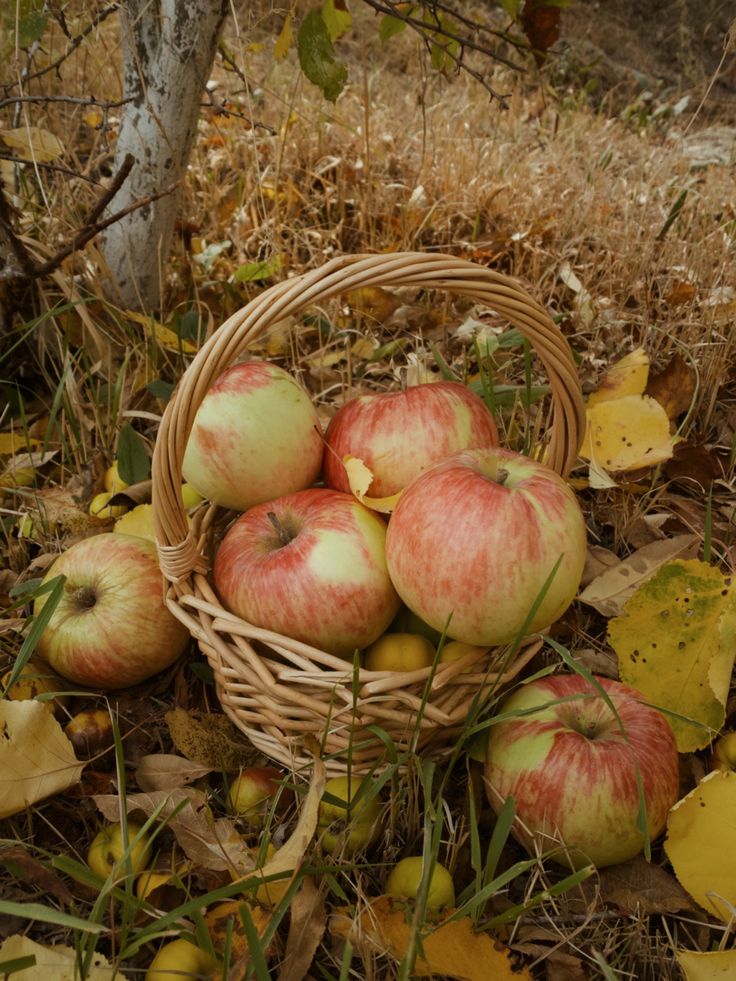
701, 843
57, 962
626, 377
673, 387
24, 867
639, 886
166, 771
36, 758
307, 924
610, 590
210, 739
676, 642
360, 479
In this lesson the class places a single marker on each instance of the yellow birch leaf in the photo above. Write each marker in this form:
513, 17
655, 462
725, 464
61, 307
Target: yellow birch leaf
626, 377
627, 433
716, 965
36, 758
165, 337
11, 442
283, 41
452, 950
701, 843
360, 479
33, 143
676, 642
57, 961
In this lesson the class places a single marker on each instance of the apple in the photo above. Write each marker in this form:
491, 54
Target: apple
399, 434
256, 436
310, 565
453, 650
180, 959
399, 652
110, 628
100, 506
571, 767
90, 732
112, 481
250, 793
724, 752
405, 879
472, 541
343, 826
108, 849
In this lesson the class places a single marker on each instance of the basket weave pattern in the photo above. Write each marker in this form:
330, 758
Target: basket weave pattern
278, 690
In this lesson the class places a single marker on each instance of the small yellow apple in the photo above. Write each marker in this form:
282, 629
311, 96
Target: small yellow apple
406, 876
180, 959
100, 506
90, 733
112, 481
346, 826
399, 652
107, 849
724, 752
455, 649
162, 888
190, 497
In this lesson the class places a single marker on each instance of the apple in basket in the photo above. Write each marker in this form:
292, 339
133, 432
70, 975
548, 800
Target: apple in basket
473, 540
256, 436
399, 434
579, 764
110, 628
312, 566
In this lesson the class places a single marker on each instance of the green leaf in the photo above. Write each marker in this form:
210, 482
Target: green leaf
161, 389
31, 28
337, 18
317, 57
390, 26
133, 462
254, 272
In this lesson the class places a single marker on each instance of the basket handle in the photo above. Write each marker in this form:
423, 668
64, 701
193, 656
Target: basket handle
179, 553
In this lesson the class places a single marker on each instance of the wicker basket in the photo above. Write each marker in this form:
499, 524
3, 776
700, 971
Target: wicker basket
277, 690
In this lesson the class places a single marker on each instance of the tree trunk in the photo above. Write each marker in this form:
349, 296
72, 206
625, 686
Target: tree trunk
168, 49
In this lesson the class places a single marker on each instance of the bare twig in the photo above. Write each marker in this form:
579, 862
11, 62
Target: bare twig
75, 100
46, 166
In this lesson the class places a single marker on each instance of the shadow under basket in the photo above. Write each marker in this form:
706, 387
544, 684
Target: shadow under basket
281, 692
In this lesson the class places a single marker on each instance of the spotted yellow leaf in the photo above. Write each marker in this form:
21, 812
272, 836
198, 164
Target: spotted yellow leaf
626, 377
701, 845
11, 442
360, 479
712, 965
676, 641
627, 433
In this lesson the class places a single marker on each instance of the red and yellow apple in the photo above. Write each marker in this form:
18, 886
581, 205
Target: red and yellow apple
571, 767
250, 793
405, 879
110, 628
256, 436
310, 565
399, 434
473, 540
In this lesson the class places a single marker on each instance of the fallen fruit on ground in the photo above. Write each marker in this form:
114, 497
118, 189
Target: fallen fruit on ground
250, 793
573, 756
351, 822
90, 732
100, 507
405, 879
108, 848
112, 481
180, 958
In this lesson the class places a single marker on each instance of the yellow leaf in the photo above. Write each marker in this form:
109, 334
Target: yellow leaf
360, 478
716, 965
36, 758
10, 442
33, 143
57, 961
676, 642
626, 377
165, 337
701, 843
283, 41
627, 433
374, 302
363, 347
453, 950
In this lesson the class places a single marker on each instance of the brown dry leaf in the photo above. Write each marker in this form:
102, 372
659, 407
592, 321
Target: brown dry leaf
673, 387
210, 739
36, 758
681, 292
692, 464
373, 301
701, 843
639, 886
57, 508
307, 924
166, 771
560, 966
609, 591
597, 560
716, 965
58, 962
541, 25
23, 866
628, 376
629, 433
453, 949
360, 478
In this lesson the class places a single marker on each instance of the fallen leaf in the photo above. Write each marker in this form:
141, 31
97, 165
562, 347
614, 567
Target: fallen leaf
12, 442
597, 560
23, 866
629, 433
307, 924
58, 509
453, 949
680, 293
673, 387
210, 739
676, 642
628, 376
57, 962
36, 758
164, 336
715, 965
692, 464
609, 591
33, 143
360, 478
639, 886
374, 302
166, 771
701, 843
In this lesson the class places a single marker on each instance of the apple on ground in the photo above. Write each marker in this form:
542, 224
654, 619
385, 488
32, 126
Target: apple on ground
90, 732
405, 879
352, 821
250, 793
473, 540
724, 752
312, 566
399, 652
110, 628
256, 436
180, 959
571, 767
112, 481
100, 506
399, 434
108, 848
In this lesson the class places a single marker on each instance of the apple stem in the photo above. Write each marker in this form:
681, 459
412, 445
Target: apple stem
284, 536
502, 476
